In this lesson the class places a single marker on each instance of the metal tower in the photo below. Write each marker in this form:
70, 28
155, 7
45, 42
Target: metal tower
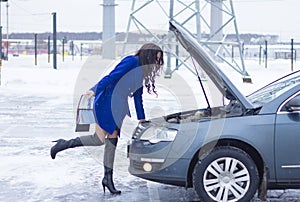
194, 15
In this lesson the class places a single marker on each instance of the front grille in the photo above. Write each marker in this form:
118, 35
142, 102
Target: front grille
137, 165
140, 128
136, 133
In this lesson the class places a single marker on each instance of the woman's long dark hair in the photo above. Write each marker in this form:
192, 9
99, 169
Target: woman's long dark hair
151, 65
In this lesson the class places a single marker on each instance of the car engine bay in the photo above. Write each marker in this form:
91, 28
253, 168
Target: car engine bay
234, 108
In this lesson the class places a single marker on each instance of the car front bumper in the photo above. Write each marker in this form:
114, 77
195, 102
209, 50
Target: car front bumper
151, 162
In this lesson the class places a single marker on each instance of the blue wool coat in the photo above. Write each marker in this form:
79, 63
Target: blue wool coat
112, 92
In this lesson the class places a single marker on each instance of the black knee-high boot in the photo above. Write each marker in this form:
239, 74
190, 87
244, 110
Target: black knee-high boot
108, 161
61, 144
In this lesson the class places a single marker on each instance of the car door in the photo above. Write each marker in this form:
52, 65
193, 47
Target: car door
287, 140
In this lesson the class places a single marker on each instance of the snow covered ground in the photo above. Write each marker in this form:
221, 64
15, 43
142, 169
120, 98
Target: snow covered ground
37, 106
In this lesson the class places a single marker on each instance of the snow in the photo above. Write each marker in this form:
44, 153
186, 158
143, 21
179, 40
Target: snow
37, 106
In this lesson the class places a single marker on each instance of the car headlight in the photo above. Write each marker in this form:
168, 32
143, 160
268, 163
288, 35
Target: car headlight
157, 134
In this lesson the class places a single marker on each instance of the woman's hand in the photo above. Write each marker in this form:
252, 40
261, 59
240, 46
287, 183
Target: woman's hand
141, 121
90, 94
144, 123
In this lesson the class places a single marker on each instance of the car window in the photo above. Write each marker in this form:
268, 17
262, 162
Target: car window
275, 89
292, 105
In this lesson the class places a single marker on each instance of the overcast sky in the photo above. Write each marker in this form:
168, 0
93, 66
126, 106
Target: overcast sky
253, 16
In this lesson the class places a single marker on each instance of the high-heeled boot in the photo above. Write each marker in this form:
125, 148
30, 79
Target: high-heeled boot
88, 140
108, 161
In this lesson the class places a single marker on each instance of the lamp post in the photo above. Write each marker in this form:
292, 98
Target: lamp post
1, 40
6, 30
54, 41
292, 54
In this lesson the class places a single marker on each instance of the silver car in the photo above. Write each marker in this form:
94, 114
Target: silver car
227, 152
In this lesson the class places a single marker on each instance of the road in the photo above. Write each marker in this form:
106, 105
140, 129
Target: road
36, 110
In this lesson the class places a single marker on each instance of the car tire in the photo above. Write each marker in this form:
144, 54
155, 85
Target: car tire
225, 174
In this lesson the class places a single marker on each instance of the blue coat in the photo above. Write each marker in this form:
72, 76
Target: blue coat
112, 92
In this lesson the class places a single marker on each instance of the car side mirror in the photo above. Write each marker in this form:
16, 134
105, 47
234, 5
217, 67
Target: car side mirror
293, 104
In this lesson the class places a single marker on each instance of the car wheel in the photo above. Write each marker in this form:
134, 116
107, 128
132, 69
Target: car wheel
226, 174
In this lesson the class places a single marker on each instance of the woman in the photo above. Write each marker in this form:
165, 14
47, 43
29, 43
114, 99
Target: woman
111, 104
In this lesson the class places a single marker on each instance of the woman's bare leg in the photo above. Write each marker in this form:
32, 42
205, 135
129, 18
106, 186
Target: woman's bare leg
101, 133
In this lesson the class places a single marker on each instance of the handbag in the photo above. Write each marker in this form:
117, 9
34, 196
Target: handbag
85, 114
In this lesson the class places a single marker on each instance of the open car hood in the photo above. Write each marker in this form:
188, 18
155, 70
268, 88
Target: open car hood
225, 86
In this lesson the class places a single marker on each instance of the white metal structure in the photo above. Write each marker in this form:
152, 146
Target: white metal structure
194, 15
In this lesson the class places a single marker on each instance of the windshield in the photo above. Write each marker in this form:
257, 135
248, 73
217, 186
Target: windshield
275, 89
